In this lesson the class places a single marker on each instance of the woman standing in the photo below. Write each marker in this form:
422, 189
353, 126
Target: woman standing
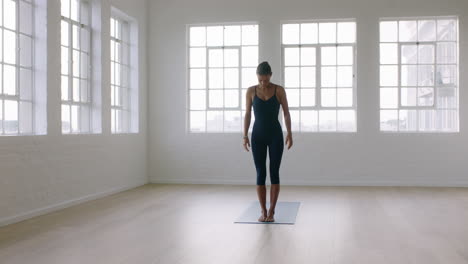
266, 98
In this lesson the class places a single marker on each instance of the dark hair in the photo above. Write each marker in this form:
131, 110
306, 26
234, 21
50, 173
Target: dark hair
264, 68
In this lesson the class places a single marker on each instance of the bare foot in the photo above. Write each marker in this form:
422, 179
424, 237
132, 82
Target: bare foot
263, 216
270, 217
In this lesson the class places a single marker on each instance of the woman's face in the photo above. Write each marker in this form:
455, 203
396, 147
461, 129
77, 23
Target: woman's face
264, 80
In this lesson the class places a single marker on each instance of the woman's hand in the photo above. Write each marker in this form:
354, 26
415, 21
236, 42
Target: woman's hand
246, 143
289, 140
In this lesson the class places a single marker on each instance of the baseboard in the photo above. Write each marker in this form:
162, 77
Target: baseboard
319, 182
45, 210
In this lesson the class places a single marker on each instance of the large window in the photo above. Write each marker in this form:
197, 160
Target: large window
318, 73
16, 71
419, 74
75, 69
222, 65
120, 89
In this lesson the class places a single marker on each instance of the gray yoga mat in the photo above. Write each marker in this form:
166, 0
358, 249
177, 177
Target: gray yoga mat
285, 213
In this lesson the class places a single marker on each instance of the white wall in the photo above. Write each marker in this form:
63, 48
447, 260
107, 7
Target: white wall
39, 174
368, 157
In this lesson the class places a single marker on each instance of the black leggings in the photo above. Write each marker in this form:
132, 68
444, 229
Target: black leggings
273, 139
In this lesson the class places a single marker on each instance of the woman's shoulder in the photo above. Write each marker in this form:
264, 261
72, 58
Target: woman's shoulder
278, 87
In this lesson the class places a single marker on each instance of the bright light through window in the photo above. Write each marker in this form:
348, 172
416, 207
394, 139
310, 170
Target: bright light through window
318, 74
419, 75
75, 67
222, 65
16, 71
120, 70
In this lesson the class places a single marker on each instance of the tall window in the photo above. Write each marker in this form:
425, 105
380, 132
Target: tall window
318, 70
222, 65
419, 74
120, 71
16, 72
75, 70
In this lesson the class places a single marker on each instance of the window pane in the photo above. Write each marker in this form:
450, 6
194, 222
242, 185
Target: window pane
327, 32
249, 56
10, 123
446, 29
345, 55
291, 77
346, 32
290, 33
291, 56
388, 120
388, 97
231, 58
197, 78
215, 57
328, 97
231, 78
407, 30
9, 14
328, 55
216, 78
328, 76
232, 35
232, 121
389, 76
9, 53
346, 120
197, 36
309, 33
388, 53
293, 97
309, 120
64, 88
197, 121
307, 97
345, 76
216, 98
426, 30
408, 96
308, 57
214, 36
231, 98
214, 121
388, 31
345, 97
197, 57
9, 85
327, 120
249, 35
249, 77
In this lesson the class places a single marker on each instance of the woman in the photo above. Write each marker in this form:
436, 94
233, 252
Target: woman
267, 132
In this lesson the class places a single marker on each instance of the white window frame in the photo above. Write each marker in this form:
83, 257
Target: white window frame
241, 89
130, 56
318, 85
23, 96
125, 90
89, 81
434, 108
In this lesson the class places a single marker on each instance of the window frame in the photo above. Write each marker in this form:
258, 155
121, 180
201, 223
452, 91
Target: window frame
125, 103
89, 80
207, 68
17, 98
318, 75
434, 108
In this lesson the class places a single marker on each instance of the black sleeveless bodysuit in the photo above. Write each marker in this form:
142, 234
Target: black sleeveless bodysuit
267, 132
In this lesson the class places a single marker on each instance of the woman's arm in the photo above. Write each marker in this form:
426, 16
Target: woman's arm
248, 111
284, 104
287, 116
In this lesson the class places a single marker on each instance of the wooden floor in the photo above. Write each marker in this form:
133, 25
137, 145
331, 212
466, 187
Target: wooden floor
192, 224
